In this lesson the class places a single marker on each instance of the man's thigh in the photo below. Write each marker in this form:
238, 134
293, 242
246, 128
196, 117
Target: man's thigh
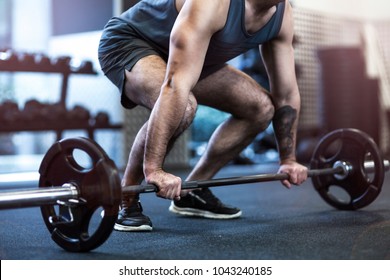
227, 89
232, 91
143, 82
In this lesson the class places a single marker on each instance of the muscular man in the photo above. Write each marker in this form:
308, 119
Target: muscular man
169, 56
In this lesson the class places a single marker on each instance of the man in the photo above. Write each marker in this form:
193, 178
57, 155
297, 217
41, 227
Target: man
169, 56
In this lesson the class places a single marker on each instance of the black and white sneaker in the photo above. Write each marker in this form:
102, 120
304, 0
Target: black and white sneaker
132, 219
202, 203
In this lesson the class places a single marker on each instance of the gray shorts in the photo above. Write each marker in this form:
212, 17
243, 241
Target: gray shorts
121, 47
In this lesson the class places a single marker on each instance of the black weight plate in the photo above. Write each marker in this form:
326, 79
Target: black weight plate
78, 227
353, 147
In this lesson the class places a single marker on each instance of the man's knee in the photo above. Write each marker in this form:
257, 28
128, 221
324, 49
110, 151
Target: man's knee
261, 113
189, 115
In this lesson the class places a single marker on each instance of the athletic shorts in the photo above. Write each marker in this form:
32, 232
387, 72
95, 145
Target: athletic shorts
121, 47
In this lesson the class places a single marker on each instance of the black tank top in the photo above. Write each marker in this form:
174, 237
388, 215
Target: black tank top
154, 19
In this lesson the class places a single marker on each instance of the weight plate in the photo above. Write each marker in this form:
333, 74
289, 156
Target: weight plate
359, 188
79, 226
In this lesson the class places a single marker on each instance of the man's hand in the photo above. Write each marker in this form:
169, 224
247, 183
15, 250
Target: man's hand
169, 185
297, 173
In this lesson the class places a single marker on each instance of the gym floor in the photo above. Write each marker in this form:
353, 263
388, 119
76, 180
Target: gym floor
277, 224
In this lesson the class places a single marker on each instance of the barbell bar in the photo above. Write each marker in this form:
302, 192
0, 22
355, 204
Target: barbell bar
38, 197
341, 170
69, 194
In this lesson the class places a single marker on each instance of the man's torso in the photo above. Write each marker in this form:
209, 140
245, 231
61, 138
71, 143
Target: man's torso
244, 28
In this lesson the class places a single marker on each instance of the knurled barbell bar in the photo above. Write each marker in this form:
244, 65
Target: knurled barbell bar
70, 194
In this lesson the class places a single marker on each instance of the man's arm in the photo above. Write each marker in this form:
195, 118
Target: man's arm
278, 56
190, 37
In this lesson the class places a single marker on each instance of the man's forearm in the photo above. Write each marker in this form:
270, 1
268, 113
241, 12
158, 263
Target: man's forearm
284, 124
164, 120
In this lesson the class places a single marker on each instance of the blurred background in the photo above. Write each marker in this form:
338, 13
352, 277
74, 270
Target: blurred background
51, 86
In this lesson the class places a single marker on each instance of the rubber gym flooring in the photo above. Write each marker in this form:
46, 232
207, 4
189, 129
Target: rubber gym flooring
277, 224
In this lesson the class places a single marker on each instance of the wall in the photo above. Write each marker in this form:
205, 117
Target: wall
31, 24
32, 31
318, 29
366, 9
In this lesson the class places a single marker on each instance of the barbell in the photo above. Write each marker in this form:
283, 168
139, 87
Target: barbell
69, 193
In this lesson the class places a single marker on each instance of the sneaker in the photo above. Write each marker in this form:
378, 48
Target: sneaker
202, 203
132, 219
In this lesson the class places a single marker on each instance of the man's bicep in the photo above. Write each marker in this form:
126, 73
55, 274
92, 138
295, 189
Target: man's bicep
189, 41
278, 57
279, 62
186, 55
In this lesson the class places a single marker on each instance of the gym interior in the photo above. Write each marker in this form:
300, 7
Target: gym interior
52, 88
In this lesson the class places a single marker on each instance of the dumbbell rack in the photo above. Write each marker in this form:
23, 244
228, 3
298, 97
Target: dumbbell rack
60, 65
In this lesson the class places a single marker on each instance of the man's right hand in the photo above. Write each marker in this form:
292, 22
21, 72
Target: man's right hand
169, 186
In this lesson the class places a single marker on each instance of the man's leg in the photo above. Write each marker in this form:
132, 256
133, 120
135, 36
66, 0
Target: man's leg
251, 112
142, 86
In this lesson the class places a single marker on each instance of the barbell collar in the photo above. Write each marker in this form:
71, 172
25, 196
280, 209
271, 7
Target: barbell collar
345, 167
38, 197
